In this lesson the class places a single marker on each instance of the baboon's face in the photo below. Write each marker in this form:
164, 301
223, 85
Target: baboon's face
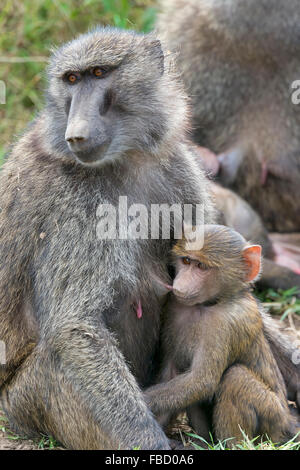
195, 282
224, 265
104, 96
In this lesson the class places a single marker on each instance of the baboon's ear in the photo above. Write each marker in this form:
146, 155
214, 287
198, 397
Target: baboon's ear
252, 257
153, 46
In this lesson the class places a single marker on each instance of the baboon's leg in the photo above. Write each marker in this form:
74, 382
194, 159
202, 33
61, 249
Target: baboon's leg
245, 403
199, 416
40, 398
278, 276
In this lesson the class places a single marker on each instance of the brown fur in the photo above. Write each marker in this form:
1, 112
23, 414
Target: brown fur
216, 355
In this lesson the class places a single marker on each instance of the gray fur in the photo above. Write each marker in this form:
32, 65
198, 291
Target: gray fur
238, 61
75, 368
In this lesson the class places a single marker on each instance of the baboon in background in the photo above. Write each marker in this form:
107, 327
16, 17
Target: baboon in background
279, 269
238, 61
114, 124
216, 359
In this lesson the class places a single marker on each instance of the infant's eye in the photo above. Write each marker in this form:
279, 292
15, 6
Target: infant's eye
99, 72
186, 260
73, 77
202, 266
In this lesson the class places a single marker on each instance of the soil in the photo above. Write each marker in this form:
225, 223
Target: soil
9, 441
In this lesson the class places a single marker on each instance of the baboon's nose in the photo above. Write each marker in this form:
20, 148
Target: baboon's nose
77, 132
75, 139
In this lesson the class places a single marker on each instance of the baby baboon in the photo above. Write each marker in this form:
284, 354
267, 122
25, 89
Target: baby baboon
239, 60
77, 353
214, 348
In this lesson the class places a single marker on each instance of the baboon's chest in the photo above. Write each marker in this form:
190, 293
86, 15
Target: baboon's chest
186, 327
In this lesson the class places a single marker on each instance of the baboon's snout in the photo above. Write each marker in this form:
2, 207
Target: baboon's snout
86, 132
77, 133
86, 141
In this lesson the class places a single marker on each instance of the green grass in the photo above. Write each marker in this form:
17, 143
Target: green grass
285, 304
29, 29
199, 443
48, 442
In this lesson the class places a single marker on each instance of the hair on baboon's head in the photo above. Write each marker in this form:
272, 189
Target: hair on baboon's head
110, 92
225, 264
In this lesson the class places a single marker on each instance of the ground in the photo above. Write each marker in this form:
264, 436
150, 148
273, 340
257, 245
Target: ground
10, 441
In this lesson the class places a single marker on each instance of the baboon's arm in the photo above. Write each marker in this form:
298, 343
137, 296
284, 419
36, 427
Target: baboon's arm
17, 240
199, 383
182, 391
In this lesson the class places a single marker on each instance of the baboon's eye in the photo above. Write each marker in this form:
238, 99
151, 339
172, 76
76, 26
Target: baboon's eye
73, 77
186, 260
202, 266
99, 72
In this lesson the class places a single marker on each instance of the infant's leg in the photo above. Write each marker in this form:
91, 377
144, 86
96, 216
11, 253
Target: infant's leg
243, 402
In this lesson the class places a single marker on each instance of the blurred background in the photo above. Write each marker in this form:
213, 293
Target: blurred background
29, 28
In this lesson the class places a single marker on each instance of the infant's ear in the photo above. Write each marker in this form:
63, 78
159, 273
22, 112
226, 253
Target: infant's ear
252, 257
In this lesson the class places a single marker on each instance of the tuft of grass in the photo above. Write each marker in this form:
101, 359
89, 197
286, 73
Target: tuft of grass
48, 442
8, 433
285, 303
245, 444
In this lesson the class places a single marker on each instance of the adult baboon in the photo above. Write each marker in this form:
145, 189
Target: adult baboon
114, 125
239, 60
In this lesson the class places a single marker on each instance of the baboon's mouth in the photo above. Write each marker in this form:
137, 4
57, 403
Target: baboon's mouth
92, 157
186, 299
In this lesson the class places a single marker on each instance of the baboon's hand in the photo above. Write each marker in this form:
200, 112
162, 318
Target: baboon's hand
152, 399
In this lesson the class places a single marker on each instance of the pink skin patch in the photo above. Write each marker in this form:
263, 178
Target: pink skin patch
167, 286
139, 310
163, 284
284, 257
